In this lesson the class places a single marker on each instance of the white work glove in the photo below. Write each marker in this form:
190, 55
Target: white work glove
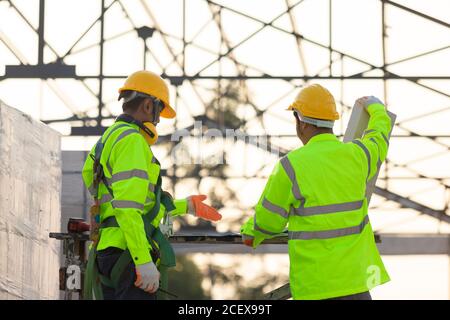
367, 101
147, 277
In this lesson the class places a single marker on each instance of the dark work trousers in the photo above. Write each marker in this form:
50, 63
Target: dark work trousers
358, 296
126, 289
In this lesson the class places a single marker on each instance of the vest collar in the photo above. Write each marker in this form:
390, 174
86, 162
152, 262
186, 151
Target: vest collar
133, 125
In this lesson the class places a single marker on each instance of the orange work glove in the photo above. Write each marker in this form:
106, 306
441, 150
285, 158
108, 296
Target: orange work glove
201, 210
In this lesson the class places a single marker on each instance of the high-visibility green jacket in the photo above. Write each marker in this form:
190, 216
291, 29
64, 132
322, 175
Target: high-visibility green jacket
131, 171
318, 191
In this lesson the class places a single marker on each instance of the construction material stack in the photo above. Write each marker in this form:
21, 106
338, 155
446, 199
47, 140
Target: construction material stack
30, 188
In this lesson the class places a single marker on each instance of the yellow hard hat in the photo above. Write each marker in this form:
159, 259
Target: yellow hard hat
152, 84
314, 101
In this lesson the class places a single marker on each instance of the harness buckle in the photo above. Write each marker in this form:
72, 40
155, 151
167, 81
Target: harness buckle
166, 226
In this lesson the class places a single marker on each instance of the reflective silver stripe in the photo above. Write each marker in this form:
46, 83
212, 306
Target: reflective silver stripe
371, 180
331, 208
274, 208
363, 147
125, 175
127, 204
149, 200
328, 234
109, 166
120, 137
374, 141
368, 131
124, 134
385, 138
105, 198
151, 187
291, 174
378, 160
378, 168
258, 228
106, 137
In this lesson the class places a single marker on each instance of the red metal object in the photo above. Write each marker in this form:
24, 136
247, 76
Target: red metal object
77, 225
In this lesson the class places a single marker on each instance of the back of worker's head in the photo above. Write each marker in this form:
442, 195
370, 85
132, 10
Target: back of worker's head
305, 131
130, 106
143, 108
315, 112
145, 98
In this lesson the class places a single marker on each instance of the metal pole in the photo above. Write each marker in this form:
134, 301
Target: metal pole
184, 37
330, 39
41, 31
102, 40
85, 200
145, 54
385, 88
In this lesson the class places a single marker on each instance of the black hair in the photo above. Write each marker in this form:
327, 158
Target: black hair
133, 105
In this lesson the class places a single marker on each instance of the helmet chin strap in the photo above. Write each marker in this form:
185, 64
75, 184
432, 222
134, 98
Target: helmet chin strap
156, 112
158, 106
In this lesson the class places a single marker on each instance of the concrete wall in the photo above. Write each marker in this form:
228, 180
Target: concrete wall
30, 187
76, 200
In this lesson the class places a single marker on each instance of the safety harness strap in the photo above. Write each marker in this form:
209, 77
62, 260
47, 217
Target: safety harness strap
99, 174
94, 279
162, 249
119, 267
92, 286
167, 258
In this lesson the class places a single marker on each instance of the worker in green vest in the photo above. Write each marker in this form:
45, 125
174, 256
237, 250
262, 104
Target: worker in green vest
130, 255
318, 192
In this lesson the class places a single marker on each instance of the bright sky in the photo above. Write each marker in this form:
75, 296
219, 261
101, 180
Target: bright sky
356, 32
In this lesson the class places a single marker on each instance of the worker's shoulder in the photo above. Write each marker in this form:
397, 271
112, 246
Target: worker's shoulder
295, 155
314, 149
313, 152
120, 130
121, 134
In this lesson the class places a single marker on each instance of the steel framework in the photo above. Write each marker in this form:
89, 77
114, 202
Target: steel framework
176, 71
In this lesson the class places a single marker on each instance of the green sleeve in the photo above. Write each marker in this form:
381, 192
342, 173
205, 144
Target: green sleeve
130, 161
181, 207
272, 210
87, 173
376, 138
